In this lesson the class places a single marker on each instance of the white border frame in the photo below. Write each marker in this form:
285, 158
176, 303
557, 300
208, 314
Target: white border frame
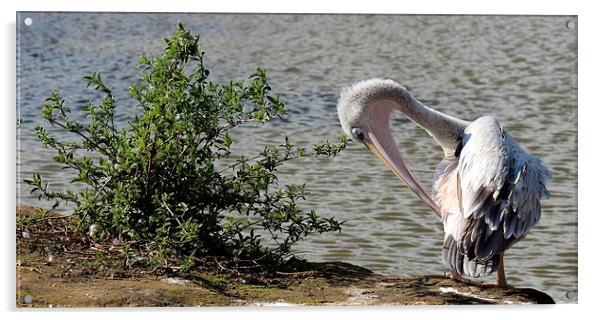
588, 121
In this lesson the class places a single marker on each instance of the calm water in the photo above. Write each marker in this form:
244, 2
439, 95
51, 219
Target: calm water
519, 69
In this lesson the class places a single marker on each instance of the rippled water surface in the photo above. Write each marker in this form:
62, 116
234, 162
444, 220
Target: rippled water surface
520, 69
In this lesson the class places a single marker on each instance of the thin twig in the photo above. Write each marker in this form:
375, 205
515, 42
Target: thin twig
104, 151
228, 125
238, 163
175, 217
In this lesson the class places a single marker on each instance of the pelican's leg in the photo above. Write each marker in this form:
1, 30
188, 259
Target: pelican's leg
500, 279
501, 274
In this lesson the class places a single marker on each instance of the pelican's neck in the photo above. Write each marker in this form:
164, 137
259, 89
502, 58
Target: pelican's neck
446, 130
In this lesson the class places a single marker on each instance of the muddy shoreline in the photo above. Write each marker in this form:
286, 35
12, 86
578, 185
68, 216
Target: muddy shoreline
60, 279
46, 289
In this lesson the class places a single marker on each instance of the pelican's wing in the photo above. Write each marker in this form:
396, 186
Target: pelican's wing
499, 188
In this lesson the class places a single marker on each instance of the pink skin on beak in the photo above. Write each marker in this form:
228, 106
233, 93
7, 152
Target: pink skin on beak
381, 142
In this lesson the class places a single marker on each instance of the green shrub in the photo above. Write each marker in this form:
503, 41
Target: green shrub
160, 184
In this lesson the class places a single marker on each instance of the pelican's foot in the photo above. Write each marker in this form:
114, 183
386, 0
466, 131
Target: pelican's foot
456, 276
496, 284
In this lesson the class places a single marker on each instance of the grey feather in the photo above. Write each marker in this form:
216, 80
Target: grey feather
509, 225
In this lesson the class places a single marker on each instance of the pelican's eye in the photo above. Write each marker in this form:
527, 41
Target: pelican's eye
358, 133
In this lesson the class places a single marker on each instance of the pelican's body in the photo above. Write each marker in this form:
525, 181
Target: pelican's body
487, 189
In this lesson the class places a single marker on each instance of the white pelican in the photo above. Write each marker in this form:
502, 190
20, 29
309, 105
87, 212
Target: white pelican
487, 189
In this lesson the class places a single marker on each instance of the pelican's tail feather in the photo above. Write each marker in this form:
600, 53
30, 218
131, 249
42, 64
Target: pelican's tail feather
469, 267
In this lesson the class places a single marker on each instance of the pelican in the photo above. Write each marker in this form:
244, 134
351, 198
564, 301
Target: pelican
487, 189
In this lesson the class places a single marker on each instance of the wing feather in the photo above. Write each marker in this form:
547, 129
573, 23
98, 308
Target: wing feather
499, 191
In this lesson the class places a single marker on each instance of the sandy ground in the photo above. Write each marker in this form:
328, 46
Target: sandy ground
56, 278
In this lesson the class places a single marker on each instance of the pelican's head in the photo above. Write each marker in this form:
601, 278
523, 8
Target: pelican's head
364, 110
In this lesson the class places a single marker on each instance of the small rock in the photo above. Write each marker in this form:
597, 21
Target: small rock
27, 299
277, 303
177, 281
92, 230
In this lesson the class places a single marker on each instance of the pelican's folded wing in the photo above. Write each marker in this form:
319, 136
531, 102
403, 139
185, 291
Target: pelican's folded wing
500, 188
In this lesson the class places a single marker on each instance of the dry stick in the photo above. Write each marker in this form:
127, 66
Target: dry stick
53, 217
224, 268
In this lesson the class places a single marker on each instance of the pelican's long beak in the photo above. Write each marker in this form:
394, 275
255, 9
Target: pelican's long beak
382, 144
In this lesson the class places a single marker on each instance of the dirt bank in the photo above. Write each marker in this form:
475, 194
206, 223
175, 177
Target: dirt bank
58, 277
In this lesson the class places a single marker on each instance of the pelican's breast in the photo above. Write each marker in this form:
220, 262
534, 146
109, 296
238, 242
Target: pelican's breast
446, 194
